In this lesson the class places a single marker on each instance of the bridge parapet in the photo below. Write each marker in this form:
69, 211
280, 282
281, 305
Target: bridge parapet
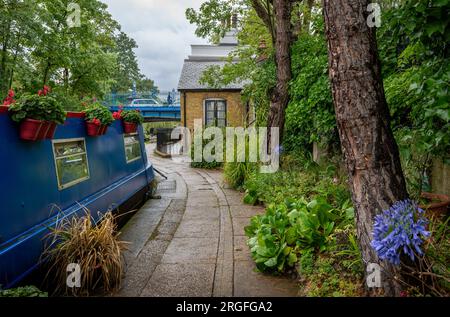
156, 113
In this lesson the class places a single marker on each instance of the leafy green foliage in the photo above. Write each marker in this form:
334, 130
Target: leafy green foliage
100, 112
40, 48
438, 253
237, 172
132, 116
204, 163
27, 291
268, 240
37, 107
212, 18
276, 238
415, 57
310, 113
323, 275
296, 179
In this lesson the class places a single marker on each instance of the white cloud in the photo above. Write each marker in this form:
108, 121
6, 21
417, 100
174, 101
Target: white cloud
162, 32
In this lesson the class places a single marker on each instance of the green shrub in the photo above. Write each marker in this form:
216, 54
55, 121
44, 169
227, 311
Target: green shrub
27, 291
204, 163
237, 173
322, 275
37, 107
132, 116
297, 180
268, 240
97, 111
277, 237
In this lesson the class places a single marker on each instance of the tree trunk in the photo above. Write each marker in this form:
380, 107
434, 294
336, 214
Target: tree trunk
46, 72
280, 95
307, 17
368, 145
5, 44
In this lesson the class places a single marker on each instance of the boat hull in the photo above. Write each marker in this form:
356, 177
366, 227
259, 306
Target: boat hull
31, 201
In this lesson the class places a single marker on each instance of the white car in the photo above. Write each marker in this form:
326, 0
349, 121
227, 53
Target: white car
144, 103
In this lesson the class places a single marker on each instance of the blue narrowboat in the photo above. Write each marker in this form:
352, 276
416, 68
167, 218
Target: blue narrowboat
40, 182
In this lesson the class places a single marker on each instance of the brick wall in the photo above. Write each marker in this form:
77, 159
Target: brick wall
194, 107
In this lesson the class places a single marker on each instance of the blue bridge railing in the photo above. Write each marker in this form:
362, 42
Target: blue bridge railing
155, 113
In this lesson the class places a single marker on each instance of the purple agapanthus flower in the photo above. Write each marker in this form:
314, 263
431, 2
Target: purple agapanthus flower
400, 228
279, 149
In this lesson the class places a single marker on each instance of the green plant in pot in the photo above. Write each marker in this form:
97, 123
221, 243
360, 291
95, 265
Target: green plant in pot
38, 115
98, 118
131, 119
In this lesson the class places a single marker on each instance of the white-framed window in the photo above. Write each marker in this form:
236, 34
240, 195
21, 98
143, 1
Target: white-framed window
215, 111
71, 162
132, 147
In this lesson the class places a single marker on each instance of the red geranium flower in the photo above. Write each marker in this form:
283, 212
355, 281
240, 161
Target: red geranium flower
96, 121
117, 115
9, 99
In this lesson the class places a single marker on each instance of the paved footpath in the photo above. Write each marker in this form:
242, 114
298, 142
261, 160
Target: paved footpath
191, 242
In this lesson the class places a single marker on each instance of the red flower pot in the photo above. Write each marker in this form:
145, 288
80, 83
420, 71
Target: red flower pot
51, 130
33, 130
129, 127
42, 135
93, 129
104, 129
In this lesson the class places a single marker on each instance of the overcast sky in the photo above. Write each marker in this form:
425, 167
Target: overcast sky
162, 32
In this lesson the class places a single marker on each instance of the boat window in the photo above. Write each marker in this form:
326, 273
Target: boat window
132, 147
71, 162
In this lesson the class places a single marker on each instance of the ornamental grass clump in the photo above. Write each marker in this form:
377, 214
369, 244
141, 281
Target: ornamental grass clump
400, 229
94, 247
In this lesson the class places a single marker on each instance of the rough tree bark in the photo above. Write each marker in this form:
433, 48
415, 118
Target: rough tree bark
283, 40
368, 145
4, 54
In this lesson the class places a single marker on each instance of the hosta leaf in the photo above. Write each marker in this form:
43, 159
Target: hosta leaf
271, 262
292, 259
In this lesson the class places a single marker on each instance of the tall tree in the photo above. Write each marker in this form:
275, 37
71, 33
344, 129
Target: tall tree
127, 66
19, 29
276, 15
368, 145
283, 40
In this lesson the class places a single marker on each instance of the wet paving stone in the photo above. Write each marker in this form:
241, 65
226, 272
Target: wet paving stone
192, 242
180, 280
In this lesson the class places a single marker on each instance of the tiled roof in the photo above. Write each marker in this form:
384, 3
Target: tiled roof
193, 71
